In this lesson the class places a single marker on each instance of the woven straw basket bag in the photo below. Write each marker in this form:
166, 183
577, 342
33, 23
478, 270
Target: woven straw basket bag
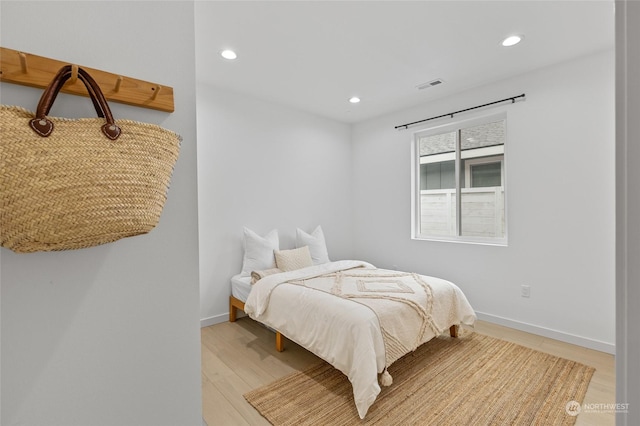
74, 183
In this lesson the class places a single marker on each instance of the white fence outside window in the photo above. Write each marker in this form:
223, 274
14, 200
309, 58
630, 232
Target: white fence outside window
482, 212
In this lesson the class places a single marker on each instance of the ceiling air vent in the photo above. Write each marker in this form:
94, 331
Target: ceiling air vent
431, 83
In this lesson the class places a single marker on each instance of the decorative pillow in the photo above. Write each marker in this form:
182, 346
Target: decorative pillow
258, 275
290, 260
316, 244
258, 251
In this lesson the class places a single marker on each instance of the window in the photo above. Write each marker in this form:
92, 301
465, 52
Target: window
459, 181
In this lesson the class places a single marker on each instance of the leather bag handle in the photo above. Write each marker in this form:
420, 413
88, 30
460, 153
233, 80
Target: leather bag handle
64, 74
44, 127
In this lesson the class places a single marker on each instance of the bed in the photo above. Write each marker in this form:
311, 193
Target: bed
240, 289
358, 318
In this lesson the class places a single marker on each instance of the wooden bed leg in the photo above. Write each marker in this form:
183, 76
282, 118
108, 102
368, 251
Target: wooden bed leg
279, 342
233, 311
453, 331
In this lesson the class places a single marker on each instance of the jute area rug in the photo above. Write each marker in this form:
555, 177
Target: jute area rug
471, 380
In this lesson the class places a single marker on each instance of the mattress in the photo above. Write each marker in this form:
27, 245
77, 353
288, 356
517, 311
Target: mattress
240, 287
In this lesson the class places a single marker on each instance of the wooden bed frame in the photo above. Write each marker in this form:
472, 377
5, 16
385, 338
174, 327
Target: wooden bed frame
235, 304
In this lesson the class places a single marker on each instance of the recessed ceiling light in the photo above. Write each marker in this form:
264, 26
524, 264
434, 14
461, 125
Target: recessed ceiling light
228, 54
512, 40
354, 99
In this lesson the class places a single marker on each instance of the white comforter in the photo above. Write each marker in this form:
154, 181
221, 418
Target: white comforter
344, 333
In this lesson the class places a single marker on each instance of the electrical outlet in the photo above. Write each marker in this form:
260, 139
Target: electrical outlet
525, 291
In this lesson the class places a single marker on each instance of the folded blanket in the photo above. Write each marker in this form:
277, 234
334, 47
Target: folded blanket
258, 275
403, 329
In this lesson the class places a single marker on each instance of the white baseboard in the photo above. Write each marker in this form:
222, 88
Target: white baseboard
547, 332
216, 319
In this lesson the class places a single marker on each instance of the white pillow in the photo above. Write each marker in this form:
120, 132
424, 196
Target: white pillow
290, 260
258, 251
316, 243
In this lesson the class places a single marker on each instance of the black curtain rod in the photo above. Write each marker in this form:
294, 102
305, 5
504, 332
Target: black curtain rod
512, 99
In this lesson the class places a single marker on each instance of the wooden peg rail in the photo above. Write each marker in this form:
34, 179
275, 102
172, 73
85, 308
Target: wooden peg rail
37, 71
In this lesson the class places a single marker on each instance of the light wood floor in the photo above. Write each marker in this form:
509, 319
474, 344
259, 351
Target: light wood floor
238, 357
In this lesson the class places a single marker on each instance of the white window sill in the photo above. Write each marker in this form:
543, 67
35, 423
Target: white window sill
499, 242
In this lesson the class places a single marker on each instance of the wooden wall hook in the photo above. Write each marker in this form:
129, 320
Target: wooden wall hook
27, 69
23, 62
156, 92
118, 83
74, 74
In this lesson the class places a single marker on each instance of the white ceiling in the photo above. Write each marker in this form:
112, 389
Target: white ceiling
314, 56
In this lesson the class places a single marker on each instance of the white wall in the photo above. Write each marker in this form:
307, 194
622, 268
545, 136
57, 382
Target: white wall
560, 203
628, 209
265, 166
108, 335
